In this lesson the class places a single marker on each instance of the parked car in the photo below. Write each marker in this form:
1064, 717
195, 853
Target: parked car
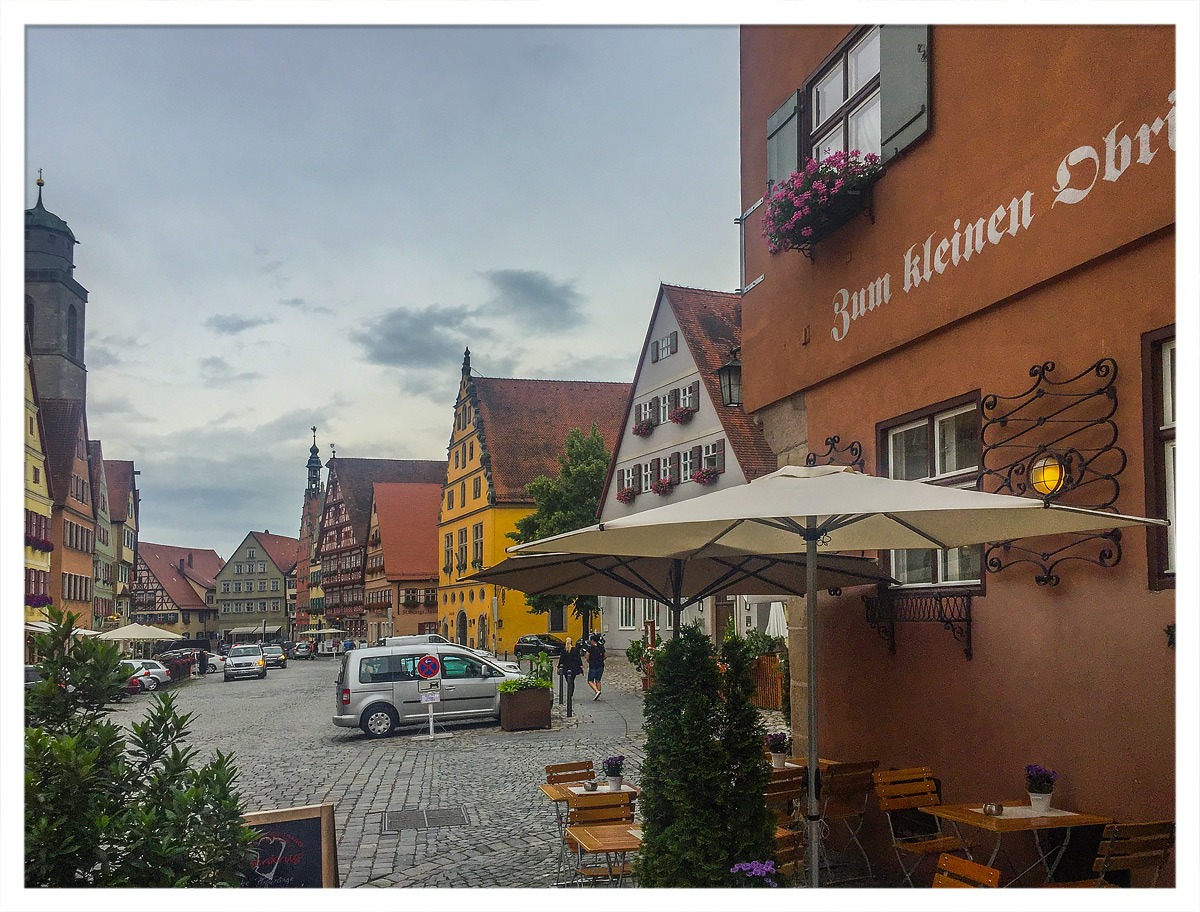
216, 663
533, 643
303, 651
31, 676
377, 688
245, 661
158, 674
133, 667
275, 656
437, 638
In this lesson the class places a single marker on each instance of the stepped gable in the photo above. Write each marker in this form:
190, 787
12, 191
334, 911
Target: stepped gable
408, 524
118, 473
357, 477
163, 561
525, 424
711, 325
282, 550
61, 419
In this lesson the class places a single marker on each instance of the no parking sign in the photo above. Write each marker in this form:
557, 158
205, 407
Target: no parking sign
429, 666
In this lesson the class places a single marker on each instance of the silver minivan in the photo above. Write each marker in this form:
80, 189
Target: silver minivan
377, 688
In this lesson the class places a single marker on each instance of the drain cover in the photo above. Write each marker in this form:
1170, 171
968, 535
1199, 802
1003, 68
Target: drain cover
422, 818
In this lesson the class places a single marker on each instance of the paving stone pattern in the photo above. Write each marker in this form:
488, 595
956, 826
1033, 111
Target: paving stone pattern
289, 753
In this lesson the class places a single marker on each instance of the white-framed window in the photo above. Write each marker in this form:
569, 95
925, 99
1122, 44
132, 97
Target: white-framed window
647, 478
274, 604
274, 585
262, 606
625, 479
237, 568
712, 455
687, 468
664, 469
687, 399
942, 448
651, 611
626, 619
237, 587
250, 553
844, 101
262, 585
664, 405
262, 566
225, 586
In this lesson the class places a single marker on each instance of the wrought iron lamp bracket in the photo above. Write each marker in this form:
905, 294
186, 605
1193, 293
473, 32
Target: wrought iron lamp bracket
851, 454
1071, 420
950, 609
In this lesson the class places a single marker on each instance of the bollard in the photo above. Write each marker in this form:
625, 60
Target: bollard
570, 693
560, 688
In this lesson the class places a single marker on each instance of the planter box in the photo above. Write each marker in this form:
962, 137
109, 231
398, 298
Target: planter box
524, 709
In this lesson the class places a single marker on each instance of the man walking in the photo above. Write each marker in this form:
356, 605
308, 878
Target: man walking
595, 657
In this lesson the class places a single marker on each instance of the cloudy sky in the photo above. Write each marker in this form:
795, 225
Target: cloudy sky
288, 226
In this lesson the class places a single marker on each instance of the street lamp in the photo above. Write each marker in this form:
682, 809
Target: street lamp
730, 375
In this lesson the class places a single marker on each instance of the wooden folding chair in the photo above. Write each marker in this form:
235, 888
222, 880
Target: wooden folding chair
845, 788
581, 771
901, 790
1128, 846
598, 808
959, 872
784, 792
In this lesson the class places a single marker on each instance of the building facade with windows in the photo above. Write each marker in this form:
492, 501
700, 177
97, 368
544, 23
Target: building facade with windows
680, 440
104, 557
175, 589
506, 433
124, 503
402, 556
39, 504
73, 523
345, 524
252, 589
996, 311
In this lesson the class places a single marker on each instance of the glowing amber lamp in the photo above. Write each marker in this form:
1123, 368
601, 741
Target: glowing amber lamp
1046, 474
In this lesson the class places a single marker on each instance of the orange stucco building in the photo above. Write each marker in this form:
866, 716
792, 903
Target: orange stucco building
1006, 292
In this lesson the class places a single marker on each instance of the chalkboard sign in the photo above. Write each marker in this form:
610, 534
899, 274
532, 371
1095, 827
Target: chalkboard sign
296, 847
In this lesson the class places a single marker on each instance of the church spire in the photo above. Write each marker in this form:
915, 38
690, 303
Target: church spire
466, 368
314, 466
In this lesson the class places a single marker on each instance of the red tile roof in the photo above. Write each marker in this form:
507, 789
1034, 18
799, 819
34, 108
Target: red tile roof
525, 425
283, 551
119, 475
711, 324
62, 419
408, 528
163, 561
357, 476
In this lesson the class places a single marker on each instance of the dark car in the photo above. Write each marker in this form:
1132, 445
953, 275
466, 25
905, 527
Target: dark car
533, 643
31, 676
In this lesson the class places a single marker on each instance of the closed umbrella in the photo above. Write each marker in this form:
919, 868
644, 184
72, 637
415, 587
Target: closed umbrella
777, 621
828, 508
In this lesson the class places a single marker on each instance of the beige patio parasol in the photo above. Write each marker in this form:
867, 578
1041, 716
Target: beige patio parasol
829, 508
134, 632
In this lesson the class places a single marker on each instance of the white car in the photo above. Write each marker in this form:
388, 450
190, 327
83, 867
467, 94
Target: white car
216, 663
159, 674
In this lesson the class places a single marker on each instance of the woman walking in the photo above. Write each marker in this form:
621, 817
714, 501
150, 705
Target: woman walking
570, 663
595, 657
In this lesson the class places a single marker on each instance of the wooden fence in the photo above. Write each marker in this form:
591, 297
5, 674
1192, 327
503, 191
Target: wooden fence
768, 682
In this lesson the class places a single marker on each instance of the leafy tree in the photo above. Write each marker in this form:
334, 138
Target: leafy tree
101, 810
566, 503
703, 780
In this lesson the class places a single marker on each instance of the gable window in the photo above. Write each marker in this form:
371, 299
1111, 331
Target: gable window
939, 447
262, 566
626, 620
250, 552
237, 568
664, 347
1158, 378
225, 587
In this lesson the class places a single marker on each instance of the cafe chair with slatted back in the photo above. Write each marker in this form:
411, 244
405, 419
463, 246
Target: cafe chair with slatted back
1129, 847
899, 792
580, 771
784, 794
789, 854
600, 808
845, 788
959, 872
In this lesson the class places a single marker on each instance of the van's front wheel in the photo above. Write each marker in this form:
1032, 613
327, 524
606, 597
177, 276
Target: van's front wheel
379, 721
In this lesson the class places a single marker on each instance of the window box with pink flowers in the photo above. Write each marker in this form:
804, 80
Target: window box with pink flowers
817, 200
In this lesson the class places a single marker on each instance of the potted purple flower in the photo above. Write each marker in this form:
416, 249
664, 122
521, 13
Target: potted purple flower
706, 476
818, 199
1040, 783
779, 744
682, 415
758, 873
614, 768
626, 496
643, 428
662, 487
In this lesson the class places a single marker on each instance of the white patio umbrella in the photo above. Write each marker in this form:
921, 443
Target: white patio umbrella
829, 508
139, 632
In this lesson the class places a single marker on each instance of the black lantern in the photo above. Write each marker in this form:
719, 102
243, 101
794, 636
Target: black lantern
730, 375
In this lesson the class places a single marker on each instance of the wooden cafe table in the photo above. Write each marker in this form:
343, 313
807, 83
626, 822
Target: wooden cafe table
563, 795
1018, 818
614, 840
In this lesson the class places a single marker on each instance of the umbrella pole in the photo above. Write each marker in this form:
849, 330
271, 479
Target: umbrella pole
676, 587
810, 539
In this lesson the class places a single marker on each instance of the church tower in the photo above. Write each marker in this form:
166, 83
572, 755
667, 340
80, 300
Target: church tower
55, 304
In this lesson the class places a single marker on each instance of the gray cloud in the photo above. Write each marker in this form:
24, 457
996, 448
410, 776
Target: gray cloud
271, 267
533, 298
100, 357
232, 324
116, 406
305, 306
217, 371
430, 338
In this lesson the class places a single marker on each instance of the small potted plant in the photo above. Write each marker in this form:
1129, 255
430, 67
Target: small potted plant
613, 768
626, 496
757, 873
682, 414
706, 476
662, 487
779, 744
643, 428
1040, 783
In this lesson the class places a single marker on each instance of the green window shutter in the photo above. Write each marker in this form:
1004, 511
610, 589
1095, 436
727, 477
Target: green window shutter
783, 140
903, 87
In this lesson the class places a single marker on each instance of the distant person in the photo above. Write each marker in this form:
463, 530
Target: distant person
570, 665
595, 657
203, 662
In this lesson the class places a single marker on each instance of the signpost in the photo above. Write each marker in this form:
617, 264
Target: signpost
429, 669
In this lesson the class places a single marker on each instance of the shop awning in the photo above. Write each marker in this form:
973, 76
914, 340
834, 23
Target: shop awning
257, 628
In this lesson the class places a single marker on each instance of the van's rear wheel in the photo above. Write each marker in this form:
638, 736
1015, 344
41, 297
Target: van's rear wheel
379, 721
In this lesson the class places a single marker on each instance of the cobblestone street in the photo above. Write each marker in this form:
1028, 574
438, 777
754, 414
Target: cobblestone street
289, 753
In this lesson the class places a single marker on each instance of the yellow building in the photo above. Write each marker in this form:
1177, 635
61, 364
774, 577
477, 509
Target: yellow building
38, 504
506, 433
